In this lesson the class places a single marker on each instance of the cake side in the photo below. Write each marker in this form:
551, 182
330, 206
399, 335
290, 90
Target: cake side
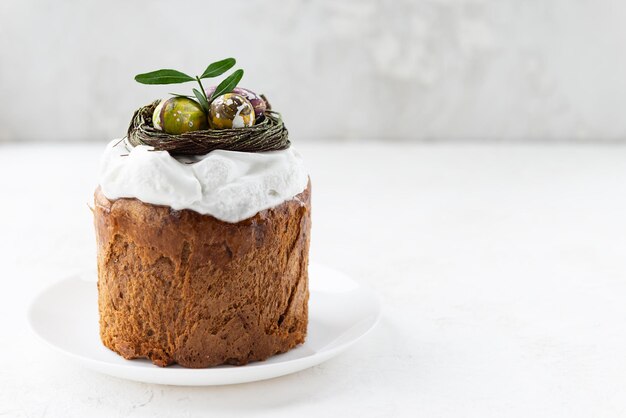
182, 287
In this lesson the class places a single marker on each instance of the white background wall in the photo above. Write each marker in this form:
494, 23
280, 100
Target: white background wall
504, 70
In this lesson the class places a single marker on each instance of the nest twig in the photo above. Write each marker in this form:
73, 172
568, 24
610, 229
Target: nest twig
268, 134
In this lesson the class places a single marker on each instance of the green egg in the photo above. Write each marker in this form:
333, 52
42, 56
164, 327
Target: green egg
178, 115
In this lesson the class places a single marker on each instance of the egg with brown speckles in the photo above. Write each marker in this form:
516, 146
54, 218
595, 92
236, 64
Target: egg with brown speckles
178, 115
259, 104
231, 110
255, 100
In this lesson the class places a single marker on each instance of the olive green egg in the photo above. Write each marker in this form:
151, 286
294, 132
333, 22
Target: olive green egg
178, 115
231, 110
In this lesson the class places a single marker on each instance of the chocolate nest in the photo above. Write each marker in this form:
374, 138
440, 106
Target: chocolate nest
268, 134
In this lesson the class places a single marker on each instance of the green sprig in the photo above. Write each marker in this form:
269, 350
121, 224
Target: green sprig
165, 76
228, 84
218, 68
215, 69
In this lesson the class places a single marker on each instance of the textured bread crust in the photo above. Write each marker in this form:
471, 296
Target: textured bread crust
181, 287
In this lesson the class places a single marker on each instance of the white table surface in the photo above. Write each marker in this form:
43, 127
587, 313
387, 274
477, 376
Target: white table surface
502, 270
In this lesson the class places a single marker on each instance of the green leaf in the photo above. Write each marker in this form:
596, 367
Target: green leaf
227, 85
202, 100
218, 68
181, 95
165, 76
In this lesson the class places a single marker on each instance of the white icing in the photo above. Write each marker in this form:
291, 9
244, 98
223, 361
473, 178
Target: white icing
229, 185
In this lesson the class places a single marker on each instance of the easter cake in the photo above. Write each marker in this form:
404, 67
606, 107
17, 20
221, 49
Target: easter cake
202, 219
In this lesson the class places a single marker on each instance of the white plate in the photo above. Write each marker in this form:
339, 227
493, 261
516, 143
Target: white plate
65, 315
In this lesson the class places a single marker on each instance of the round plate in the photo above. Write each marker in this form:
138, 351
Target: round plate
65, 315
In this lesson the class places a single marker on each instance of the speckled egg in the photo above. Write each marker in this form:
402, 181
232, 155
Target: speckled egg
260, 106
209, 91
231, 110
177, 115
255, 100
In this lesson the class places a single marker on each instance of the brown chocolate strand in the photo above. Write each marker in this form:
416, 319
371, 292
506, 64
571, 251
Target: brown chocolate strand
268, 134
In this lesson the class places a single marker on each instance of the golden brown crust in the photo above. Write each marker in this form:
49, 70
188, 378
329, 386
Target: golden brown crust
181, 287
